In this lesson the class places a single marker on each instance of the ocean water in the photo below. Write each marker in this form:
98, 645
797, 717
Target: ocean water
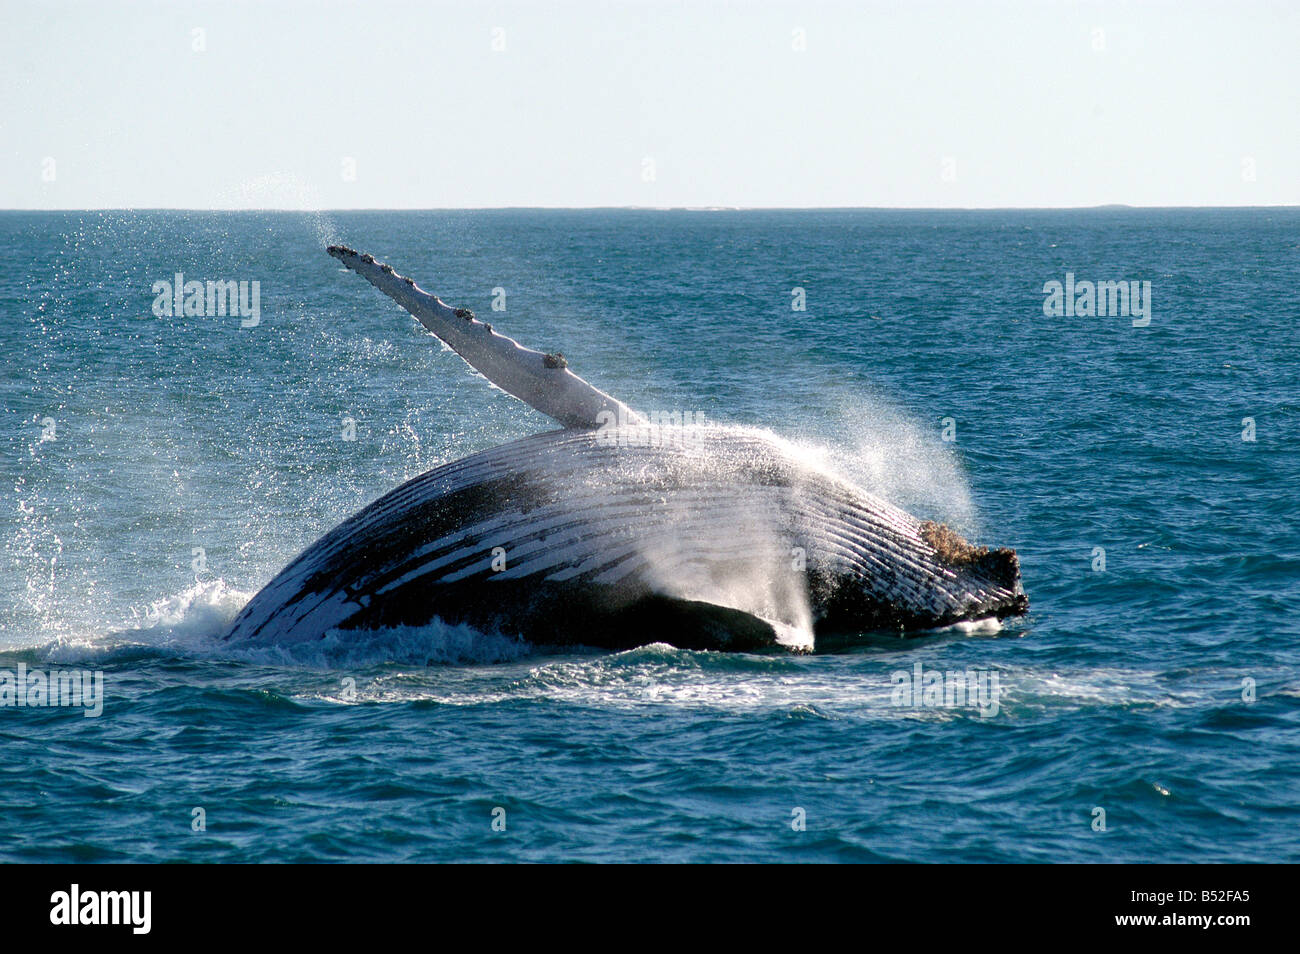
158, 470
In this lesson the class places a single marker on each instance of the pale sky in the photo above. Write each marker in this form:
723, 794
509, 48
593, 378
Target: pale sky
410, 105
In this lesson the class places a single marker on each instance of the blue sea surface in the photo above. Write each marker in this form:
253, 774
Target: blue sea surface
156, 471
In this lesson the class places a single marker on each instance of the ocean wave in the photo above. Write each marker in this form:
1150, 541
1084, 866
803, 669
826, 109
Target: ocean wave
187, 621
434, 644
409, 664
190, 624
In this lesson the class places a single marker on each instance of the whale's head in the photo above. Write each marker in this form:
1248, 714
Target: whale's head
874, 567
780, 534
980, 569
891, 584
924, 575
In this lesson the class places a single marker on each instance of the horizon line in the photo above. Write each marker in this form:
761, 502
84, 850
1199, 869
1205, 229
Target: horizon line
1115, 206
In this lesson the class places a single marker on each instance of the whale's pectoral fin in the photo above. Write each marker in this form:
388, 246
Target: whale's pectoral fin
540, 380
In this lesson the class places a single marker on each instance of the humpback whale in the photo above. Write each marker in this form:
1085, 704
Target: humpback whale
616, 530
